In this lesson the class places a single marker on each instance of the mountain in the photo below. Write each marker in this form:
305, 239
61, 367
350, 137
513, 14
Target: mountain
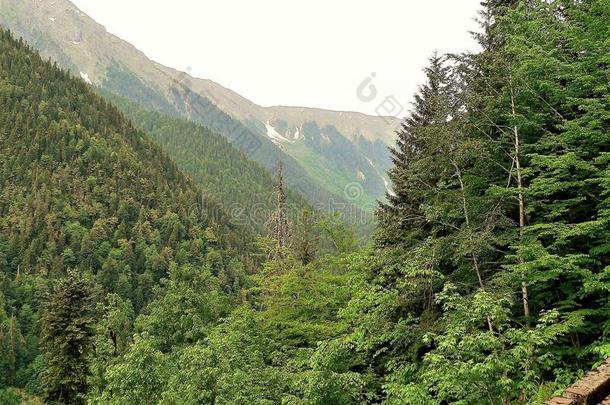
334, 147
82, 188
324, 152
83, 192
211, 160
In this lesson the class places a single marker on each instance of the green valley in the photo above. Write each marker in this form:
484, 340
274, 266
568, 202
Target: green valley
158, 247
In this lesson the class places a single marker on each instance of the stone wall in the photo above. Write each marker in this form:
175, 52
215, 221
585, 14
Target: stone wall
592, 389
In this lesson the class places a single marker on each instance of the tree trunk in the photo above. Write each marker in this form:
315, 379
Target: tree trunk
475, 261
521, 198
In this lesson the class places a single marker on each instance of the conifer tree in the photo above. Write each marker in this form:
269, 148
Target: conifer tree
279, 230
304, 239
431, 107
67, 331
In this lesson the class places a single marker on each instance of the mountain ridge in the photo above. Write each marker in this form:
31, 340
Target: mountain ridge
319, 170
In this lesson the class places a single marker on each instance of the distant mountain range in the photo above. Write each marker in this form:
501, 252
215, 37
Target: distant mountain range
325, 152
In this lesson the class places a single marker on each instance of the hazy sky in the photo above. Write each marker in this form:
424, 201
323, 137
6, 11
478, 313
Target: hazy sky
311, 53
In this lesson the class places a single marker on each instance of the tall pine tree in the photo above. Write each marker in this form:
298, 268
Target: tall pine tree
67, 331
431, 107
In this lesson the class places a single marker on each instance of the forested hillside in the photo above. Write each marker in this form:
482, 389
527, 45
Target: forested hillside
82, 190
60, 31
488, 281
245, 188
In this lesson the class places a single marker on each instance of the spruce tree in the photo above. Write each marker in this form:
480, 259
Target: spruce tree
66, 337
430, 107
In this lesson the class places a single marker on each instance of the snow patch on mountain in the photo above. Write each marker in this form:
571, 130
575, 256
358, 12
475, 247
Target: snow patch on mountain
278, 138
85, 77
298, 135
273, 134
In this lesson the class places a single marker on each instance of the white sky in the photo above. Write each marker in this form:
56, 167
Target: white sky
312, 53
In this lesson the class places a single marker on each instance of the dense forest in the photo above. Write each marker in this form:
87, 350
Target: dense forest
82, 191
210, 160
183, 103
487, 281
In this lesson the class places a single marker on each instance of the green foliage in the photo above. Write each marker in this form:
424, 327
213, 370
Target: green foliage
138, 378
188, 303
113, 336
302, 303
82, 189
239, 352
488, 281
67, 331
325, 376
336, 235
491, 285
305, 242
213, 162
472, 365
10, 397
